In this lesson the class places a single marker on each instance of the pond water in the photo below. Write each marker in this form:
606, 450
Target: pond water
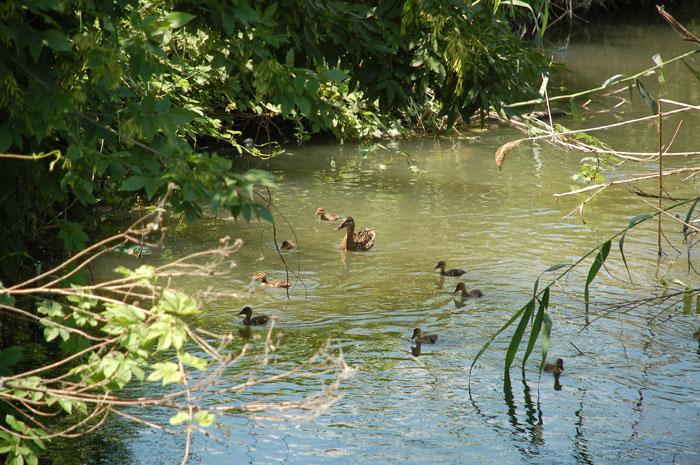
632, 397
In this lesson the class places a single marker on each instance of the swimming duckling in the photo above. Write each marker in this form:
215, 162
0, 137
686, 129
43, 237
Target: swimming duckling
452, 272
262, 277
466, 293
320, 212
420, 339
556, 368
360, 242
288, 245
255, 321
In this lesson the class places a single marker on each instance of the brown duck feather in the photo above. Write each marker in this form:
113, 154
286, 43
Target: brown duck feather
356, 242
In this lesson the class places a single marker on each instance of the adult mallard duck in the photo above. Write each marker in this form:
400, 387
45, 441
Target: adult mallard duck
465, 293
453, 272
320, 212
421, 339
288, 245
360, 242
556, 368
262, 277
254, 321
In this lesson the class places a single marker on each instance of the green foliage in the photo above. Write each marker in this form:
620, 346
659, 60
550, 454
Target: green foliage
541, 322
127, 91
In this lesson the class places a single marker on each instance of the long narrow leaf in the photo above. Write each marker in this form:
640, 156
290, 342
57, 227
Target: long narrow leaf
633, 222
593, 271
689, 215
546, 332
647, 97
536, 325
505, 325
518, 336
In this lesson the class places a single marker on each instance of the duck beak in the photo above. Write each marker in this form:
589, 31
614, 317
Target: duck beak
437, 266
341, 225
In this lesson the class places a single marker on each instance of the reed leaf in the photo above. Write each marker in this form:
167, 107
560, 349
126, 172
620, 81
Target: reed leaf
518, 336
633, 222
546, 332
692, 70
595, 267
688, 216
536, 325
551, 268
505, 325
647, 97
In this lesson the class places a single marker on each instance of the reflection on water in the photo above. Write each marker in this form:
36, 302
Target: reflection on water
413, 404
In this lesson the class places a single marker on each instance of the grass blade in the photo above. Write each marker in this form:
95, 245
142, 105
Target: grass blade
647, 97
547, 331
688, 216
518, 336
536, 326
593, 271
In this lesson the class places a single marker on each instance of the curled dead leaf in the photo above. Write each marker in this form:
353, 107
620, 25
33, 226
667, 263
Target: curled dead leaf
503, 150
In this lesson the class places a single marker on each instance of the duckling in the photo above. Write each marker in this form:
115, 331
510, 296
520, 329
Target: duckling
255, 321
360, 242
320, 212
420, 339
453, 272
696, 334
262, 277
556, 368
466, 293
288, 245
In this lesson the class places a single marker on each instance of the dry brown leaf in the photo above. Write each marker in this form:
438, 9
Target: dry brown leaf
504, 149
686, 34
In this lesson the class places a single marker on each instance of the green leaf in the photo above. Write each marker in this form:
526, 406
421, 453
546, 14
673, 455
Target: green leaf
204, 418
73, 236
8, 358
692, 70
56, 40
689, 215
51, 333
335, 74
133, 183
647, 97
536, 325
546, 333
66, 405
517, 337
179, 418
621, 243
593, 271
177, 303
178, 19
193, 361
168, 372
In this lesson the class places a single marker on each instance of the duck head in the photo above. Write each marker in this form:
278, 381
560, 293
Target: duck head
559, 363
460, 287
320, 211
416, 333
346, 222
247, 311
260, 276
440, 264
